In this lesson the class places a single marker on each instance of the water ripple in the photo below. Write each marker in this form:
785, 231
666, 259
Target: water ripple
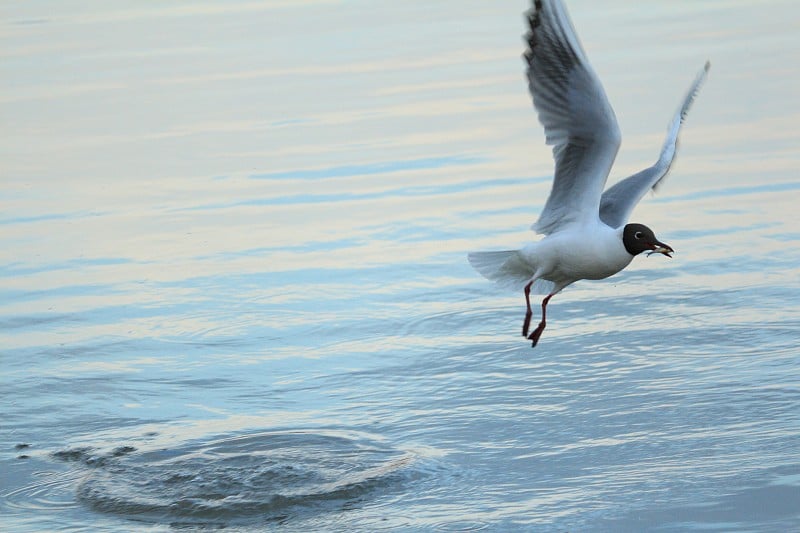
49, 492
242, 478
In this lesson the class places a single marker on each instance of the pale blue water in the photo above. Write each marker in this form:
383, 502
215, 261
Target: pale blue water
234, 291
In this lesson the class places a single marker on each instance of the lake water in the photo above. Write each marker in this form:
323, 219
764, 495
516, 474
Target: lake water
234, 290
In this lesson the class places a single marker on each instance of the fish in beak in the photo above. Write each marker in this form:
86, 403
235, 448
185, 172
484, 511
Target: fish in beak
660, 248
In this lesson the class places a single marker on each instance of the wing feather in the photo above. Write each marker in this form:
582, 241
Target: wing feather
619, 201
573, 108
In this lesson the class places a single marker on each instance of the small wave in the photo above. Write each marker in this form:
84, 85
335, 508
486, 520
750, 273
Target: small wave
268, 476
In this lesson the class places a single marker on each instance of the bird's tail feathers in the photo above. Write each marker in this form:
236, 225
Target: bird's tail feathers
508, 269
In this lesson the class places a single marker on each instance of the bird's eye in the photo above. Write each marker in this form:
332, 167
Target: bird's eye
638, 235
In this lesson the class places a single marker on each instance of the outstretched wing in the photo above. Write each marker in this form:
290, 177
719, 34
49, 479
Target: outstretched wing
577, 118
618, 202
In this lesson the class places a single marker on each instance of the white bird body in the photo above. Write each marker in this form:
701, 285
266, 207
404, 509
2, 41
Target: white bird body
586, 229
590, 251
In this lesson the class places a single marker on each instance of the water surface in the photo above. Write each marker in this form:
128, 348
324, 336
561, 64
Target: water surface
234, 290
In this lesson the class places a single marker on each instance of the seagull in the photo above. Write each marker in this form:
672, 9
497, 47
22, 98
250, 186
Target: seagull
586, 230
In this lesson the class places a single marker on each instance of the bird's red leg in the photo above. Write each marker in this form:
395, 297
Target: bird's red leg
528, 313
534, 337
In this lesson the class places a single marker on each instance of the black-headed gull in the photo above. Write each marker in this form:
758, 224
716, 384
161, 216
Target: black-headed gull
587, 234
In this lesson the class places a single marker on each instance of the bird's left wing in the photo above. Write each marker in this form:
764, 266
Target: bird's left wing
618, 202
577, 118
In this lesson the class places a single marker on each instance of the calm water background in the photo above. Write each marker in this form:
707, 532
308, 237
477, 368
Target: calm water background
233, 286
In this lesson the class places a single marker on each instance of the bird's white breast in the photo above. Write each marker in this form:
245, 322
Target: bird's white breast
594, 251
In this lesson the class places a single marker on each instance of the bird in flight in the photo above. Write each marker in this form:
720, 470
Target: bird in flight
586, 230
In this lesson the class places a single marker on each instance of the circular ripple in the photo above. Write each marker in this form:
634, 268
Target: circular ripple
48, 492
268, 475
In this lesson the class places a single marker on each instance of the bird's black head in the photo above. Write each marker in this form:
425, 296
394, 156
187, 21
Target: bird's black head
638, 238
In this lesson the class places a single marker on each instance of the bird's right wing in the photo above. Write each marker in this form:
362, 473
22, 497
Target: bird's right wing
618, 202
577, 118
